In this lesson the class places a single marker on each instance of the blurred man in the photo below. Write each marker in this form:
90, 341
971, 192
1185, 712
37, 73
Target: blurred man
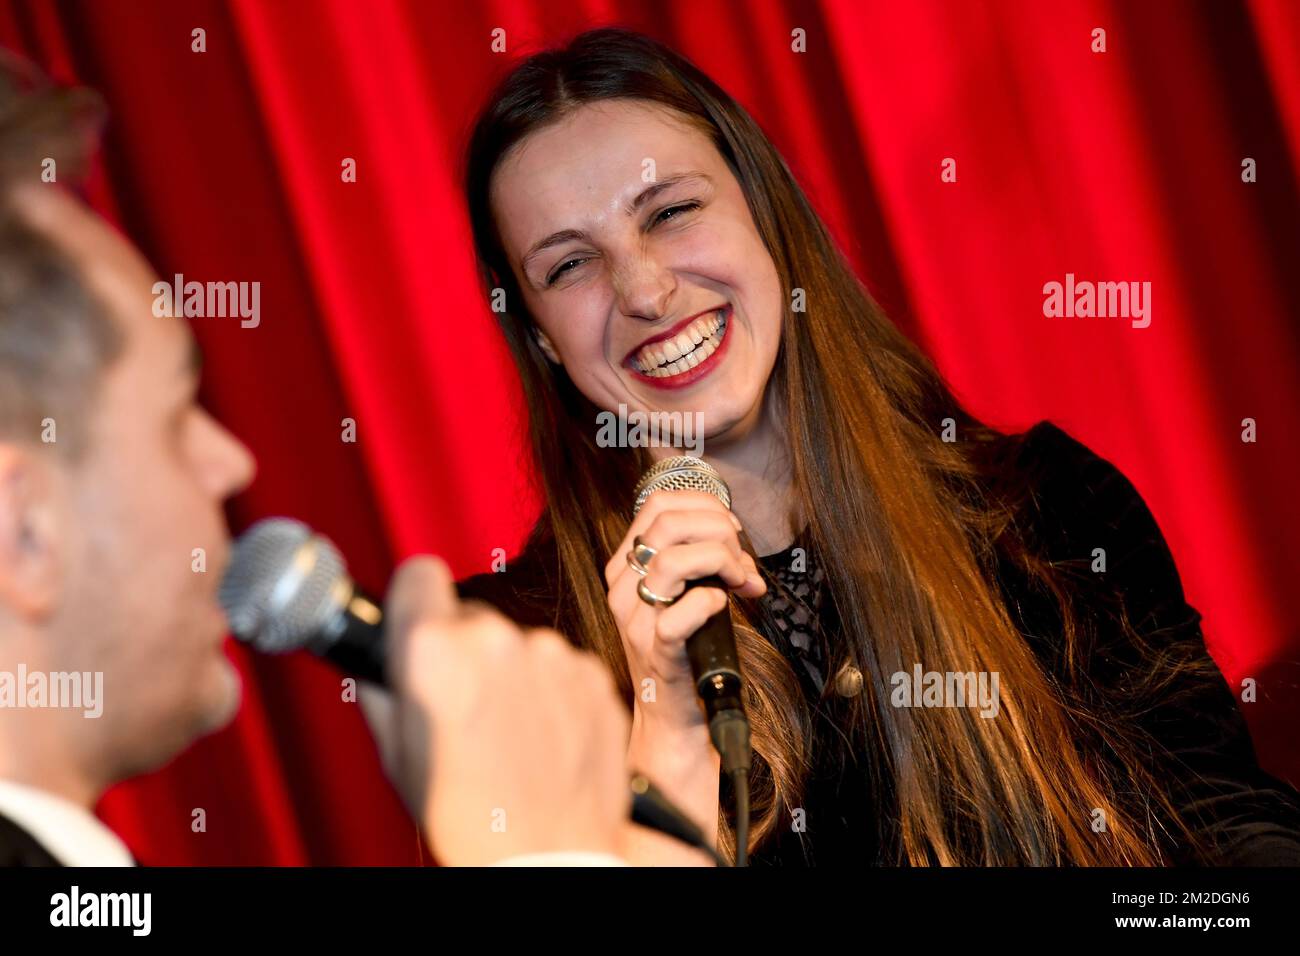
111, 655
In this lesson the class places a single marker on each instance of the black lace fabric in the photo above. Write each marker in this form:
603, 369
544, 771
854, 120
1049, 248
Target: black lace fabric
794, 601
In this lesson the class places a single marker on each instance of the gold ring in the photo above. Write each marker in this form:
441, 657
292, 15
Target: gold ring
654, 600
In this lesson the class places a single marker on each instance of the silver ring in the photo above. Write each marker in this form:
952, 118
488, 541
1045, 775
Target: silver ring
654, 600
636, 565
643, 551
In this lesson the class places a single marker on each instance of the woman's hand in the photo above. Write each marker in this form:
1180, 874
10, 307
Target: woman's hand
694, 536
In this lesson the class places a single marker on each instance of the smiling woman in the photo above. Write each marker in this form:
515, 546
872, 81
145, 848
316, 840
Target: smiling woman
866, 544
626, 271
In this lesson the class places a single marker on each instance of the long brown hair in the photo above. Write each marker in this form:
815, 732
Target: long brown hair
915, 524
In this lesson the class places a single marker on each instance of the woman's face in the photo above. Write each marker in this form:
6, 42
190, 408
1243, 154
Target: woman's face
639, 259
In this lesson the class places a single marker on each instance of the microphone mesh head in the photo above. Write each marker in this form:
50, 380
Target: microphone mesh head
281, 586
681, 472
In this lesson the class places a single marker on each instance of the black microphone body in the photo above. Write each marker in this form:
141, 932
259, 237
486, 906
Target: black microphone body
715, 665
712, 649
354, 639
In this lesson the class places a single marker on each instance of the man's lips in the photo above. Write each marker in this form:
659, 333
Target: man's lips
670, 333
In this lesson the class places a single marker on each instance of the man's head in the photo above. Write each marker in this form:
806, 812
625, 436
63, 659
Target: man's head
112, 478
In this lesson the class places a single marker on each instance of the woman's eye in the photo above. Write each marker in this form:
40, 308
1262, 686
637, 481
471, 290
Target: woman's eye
664, 215
562, 270
680, 207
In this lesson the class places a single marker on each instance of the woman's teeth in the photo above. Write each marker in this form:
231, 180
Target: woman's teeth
686, 350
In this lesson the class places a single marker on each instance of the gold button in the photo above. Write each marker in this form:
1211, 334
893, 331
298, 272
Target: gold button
848, 682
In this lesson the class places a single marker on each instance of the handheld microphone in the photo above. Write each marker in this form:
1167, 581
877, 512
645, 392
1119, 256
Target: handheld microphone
287, 589
711, 650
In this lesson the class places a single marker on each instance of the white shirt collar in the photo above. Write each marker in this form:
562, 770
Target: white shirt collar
71, 834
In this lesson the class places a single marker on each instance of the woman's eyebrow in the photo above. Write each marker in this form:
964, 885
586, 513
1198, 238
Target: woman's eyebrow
643, 197
654, 189
554, 239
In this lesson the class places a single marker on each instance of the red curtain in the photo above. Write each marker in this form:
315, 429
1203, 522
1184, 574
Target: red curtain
1123, 165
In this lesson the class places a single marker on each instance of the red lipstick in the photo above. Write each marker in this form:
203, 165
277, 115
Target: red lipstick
691, 375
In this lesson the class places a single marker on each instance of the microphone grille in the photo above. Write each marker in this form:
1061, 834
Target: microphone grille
681, 472
282, 585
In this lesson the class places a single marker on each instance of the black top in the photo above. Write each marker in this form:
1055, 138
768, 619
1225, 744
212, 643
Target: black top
1081, 502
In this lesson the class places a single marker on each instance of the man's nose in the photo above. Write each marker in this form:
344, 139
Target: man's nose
240, 465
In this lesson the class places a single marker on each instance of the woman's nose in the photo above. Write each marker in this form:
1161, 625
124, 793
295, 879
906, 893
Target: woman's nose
644, 288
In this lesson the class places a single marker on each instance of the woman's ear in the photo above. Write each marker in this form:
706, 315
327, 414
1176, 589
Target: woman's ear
547, 346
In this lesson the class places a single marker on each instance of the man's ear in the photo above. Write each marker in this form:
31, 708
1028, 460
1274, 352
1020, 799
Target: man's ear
30, 557
547, 346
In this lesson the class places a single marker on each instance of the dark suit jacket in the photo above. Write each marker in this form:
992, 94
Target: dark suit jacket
19, 848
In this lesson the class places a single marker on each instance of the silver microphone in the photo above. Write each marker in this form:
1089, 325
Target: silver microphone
287, 588
681, 473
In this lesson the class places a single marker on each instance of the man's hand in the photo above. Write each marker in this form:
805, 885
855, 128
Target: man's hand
508, 742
